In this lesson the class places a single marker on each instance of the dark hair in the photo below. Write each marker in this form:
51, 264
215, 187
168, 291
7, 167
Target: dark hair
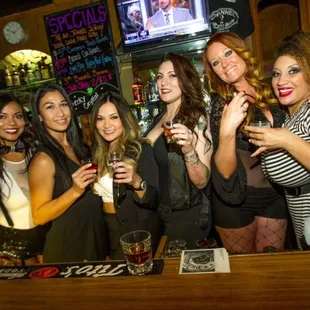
27, 137
192, 102
74, 136
130, 140
297, 45
254, 75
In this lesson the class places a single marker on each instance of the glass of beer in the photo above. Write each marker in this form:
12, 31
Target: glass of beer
167, 131
137, 250
112, 158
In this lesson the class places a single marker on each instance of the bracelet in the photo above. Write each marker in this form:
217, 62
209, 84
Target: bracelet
192, 159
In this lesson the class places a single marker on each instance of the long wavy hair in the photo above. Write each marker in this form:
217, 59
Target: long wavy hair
74, 135
254, 75
129, 142
27, 136
297, 46
192, 102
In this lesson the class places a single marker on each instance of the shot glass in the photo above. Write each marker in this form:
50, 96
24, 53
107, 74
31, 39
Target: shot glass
206, 243
89, 161
137, 249
113, 158
260, 124
167, 131
175, 248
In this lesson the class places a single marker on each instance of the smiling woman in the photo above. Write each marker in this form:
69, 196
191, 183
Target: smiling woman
20, 239
59, 185
249, 213
287, 159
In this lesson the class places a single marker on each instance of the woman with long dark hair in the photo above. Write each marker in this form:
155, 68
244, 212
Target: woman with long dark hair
20, 239
130, 191
60, 186
184, 166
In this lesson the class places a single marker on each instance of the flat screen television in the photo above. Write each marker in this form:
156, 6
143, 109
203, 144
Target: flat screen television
147, 23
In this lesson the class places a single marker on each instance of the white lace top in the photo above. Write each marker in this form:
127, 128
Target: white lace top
104, 188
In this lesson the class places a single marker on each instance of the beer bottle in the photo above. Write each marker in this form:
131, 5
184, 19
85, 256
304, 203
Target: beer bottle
30, 76
8, 77
15, 76
37, 72
22, 74
44, 69
137, 89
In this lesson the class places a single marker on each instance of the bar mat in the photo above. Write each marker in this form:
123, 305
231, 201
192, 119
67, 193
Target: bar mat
73, 270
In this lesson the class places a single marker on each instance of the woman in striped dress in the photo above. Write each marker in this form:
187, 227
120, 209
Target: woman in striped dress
286, 151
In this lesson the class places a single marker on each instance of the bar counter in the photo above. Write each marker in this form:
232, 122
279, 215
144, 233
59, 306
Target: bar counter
262, 281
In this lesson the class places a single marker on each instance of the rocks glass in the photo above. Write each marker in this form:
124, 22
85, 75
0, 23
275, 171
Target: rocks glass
137, 250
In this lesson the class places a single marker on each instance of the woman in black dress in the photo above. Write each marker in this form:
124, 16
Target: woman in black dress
59, 185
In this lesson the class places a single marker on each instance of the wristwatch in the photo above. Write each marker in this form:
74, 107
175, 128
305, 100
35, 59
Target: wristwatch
143, 186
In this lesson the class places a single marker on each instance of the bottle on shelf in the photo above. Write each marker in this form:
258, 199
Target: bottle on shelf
22, 74
15, 76
8, 77
37, 72
137, 89
44, 69
51, 70
153, 89
29, 74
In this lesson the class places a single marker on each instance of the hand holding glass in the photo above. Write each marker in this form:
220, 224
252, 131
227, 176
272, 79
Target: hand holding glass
137, 250
260, 124
86, 161
167, 131
113, 158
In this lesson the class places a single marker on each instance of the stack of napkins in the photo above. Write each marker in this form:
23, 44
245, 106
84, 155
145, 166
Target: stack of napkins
204, 261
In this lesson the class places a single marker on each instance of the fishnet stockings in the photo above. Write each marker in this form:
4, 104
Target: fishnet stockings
254, 237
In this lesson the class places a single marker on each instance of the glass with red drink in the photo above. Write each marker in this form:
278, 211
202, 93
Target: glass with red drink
137, 250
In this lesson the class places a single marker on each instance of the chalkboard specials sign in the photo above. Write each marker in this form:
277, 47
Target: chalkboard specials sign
82, 50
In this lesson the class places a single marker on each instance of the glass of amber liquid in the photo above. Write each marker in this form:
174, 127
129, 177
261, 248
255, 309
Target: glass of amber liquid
168, 125
137, 250
94, 166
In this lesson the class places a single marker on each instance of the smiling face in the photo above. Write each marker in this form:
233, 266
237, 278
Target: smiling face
168, 84
109, 124
55, 112
226, 64
289, 84
12, 123
165, 5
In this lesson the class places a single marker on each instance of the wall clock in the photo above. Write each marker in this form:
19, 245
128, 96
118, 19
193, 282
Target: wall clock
13, 32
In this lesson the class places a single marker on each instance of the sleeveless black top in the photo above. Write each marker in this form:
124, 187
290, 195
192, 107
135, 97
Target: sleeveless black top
79, 233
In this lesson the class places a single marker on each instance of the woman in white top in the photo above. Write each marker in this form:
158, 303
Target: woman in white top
130, 191
20, 239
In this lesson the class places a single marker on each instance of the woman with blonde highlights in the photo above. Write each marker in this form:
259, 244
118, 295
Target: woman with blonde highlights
249, 213
130, 190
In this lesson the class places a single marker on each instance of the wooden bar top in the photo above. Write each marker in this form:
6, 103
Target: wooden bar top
262, 281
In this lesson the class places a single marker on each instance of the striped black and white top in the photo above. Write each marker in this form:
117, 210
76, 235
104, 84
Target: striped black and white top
281, 168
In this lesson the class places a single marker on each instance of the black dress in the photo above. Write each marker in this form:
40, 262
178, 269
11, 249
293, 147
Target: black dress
79, 233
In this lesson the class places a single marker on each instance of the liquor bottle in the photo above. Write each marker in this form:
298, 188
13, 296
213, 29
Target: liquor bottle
153, 89
8, 77
29, 74
37, 72
51, 70
22, 74
137, 89
44, 69
15, 76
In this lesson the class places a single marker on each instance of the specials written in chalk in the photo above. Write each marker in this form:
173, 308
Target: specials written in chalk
82, 51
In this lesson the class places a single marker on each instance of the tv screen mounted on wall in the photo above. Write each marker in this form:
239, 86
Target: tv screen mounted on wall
144, 23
